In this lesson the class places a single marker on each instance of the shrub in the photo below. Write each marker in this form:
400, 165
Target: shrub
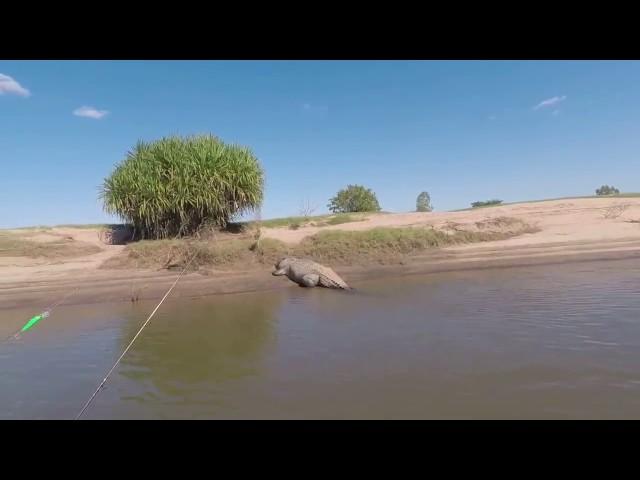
607, 190
486, 203
172, 186
354, 198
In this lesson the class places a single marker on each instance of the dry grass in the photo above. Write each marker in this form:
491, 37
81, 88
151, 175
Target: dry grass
384, 245
294, 223
13, 245
614, 211
620, 195
244, 251
343, 218
175, 254
83, 226
284, 222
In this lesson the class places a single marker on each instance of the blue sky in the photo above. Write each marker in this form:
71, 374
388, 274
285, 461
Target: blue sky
463, 131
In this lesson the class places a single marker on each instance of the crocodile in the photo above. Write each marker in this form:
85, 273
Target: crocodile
308, 273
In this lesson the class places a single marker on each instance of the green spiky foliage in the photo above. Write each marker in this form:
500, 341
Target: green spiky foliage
173, 186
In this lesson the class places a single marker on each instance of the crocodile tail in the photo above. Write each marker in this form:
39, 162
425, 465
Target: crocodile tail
328, 282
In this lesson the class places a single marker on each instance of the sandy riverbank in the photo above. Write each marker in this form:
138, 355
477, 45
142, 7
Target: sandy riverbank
568, 230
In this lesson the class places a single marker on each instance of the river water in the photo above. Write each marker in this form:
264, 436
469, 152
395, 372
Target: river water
545, 342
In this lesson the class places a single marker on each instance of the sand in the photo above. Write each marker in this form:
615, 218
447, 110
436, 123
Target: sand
569, 230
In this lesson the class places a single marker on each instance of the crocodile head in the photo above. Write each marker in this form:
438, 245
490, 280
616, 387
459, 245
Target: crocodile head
282, 267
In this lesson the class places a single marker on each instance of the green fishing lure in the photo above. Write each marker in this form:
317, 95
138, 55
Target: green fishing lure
31, 323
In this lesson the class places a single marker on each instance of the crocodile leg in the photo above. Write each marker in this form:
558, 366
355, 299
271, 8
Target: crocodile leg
311, 280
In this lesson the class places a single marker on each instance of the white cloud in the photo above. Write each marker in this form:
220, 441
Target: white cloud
90, 112
307, 107
549, 102
11, 86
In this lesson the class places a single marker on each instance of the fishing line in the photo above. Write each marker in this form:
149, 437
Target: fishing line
86, 405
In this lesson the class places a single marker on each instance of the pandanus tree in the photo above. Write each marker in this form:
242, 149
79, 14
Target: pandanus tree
172, 186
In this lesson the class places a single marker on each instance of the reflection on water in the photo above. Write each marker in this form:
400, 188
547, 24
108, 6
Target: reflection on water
537, 342
197, 347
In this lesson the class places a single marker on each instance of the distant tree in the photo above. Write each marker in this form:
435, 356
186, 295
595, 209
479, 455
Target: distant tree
607, 190
423, 203
354, 198
307, 208
487, 203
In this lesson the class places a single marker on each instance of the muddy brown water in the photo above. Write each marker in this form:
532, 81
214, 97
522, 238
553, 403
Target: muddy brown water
547, 342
